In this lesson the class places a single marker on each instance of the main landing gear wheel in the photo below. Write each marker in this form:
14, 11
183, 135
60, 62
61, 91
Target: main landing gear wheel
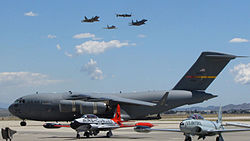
23, 123
109, 134
219, 138
86, 134
78, 136
188, 138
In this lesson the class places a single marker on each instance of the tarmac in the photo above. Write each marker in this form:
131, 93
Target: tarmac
34, 131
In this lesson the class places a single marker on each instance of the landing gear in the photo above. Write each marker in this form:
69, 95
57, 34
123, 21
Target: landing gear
23, 123
188, 138
78, 136
86, 134
95, 132
109, 134
219, 138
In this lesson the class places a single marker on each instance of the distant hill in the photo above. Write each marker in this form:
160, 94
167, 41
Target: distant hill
4, 105
4, 112
244, 106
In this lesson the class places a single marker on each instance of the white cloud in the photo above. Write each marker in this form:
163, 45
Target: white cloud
25, 79
96, 47
141, 36
242, 73
30, 14
93, 71
84, 35
51, 36
58, 47
238, 40
68, 54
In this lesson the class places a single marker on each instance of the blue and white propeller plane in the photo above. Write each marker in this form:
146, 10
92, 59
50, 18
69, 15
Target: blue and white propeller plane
196, 125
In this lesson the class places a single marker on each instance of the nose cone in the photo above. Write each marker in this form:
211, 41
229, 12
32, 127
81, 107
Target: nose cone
11, 109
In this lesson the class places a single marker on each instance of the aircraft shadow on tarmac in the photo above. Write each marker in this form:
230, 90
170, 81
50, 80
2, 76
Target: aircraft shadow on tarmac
96, 137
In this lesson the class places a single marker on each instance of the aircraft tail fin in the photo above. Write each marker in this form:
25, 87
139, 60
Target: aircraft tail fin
220, 115
117, 117
204, 71
85, 18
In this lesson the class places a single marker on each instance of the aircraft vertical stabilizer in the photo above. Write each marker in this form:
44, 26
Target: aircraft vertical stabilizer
220, 116
204, 71
117, 117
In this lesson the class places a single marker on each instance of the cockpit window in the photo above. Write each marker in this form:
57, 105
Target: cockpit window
89, 116
196, 116
20, 100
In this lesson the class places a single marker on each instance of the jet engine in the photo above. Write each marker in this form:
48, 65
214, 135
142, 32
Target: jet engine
82, 107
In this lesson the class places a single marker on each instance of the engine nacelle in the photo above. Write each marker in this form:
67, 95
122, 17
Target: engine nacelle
82, 107
93, 127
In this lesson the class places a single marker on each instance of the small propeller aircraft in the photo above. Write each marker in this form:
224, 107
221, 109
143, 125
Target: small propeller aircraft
197, 125
91, 20
90, 124
123, 15
110, 27
138, 23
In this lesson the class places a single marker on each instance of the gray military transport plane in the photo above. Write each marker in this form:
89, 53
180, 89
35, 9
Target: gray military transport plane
137, 105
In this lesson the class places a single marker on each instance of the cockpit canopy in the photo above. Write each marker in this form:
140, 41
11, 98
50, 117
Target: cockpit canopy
196, 116
89, 116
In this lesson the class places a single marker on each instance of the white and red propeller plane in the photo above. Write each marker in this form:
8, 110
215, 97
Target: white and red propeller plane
91, 125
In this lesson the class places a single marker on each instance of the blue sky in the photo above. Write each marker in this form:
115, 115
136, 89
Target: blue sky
38, 51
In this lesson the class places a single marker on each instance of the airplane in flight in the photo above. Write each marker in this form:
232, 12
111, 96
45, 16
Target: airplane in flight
123, 15
110, 27
90, 124
135, 105
138, 23
196, 125
91, 20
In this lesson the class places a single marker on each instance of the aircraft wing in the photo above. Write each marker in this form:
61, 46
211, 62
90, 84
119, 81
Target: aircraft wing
167, 130
99, 97
237, 124
107, 127
229, 130
146, 129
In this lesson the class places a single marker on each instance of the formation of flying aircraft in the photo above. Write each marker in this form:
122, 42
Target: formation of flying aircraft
196, 125
123, 15
90, 124
138, 23
110, 27
96, 18
136, 105
91, 20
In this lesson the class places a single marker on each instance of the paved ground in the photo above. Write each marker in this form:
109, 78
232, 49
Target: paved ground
35, 132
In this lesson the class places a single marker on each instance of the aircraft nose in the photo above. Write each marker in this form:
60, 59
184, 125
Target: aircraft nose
11, 109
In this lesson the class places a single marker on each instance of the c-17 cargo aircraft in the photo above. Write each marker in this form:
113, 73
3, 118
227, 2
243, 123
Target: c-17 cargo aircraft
136, 105
196, 125
91, 125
